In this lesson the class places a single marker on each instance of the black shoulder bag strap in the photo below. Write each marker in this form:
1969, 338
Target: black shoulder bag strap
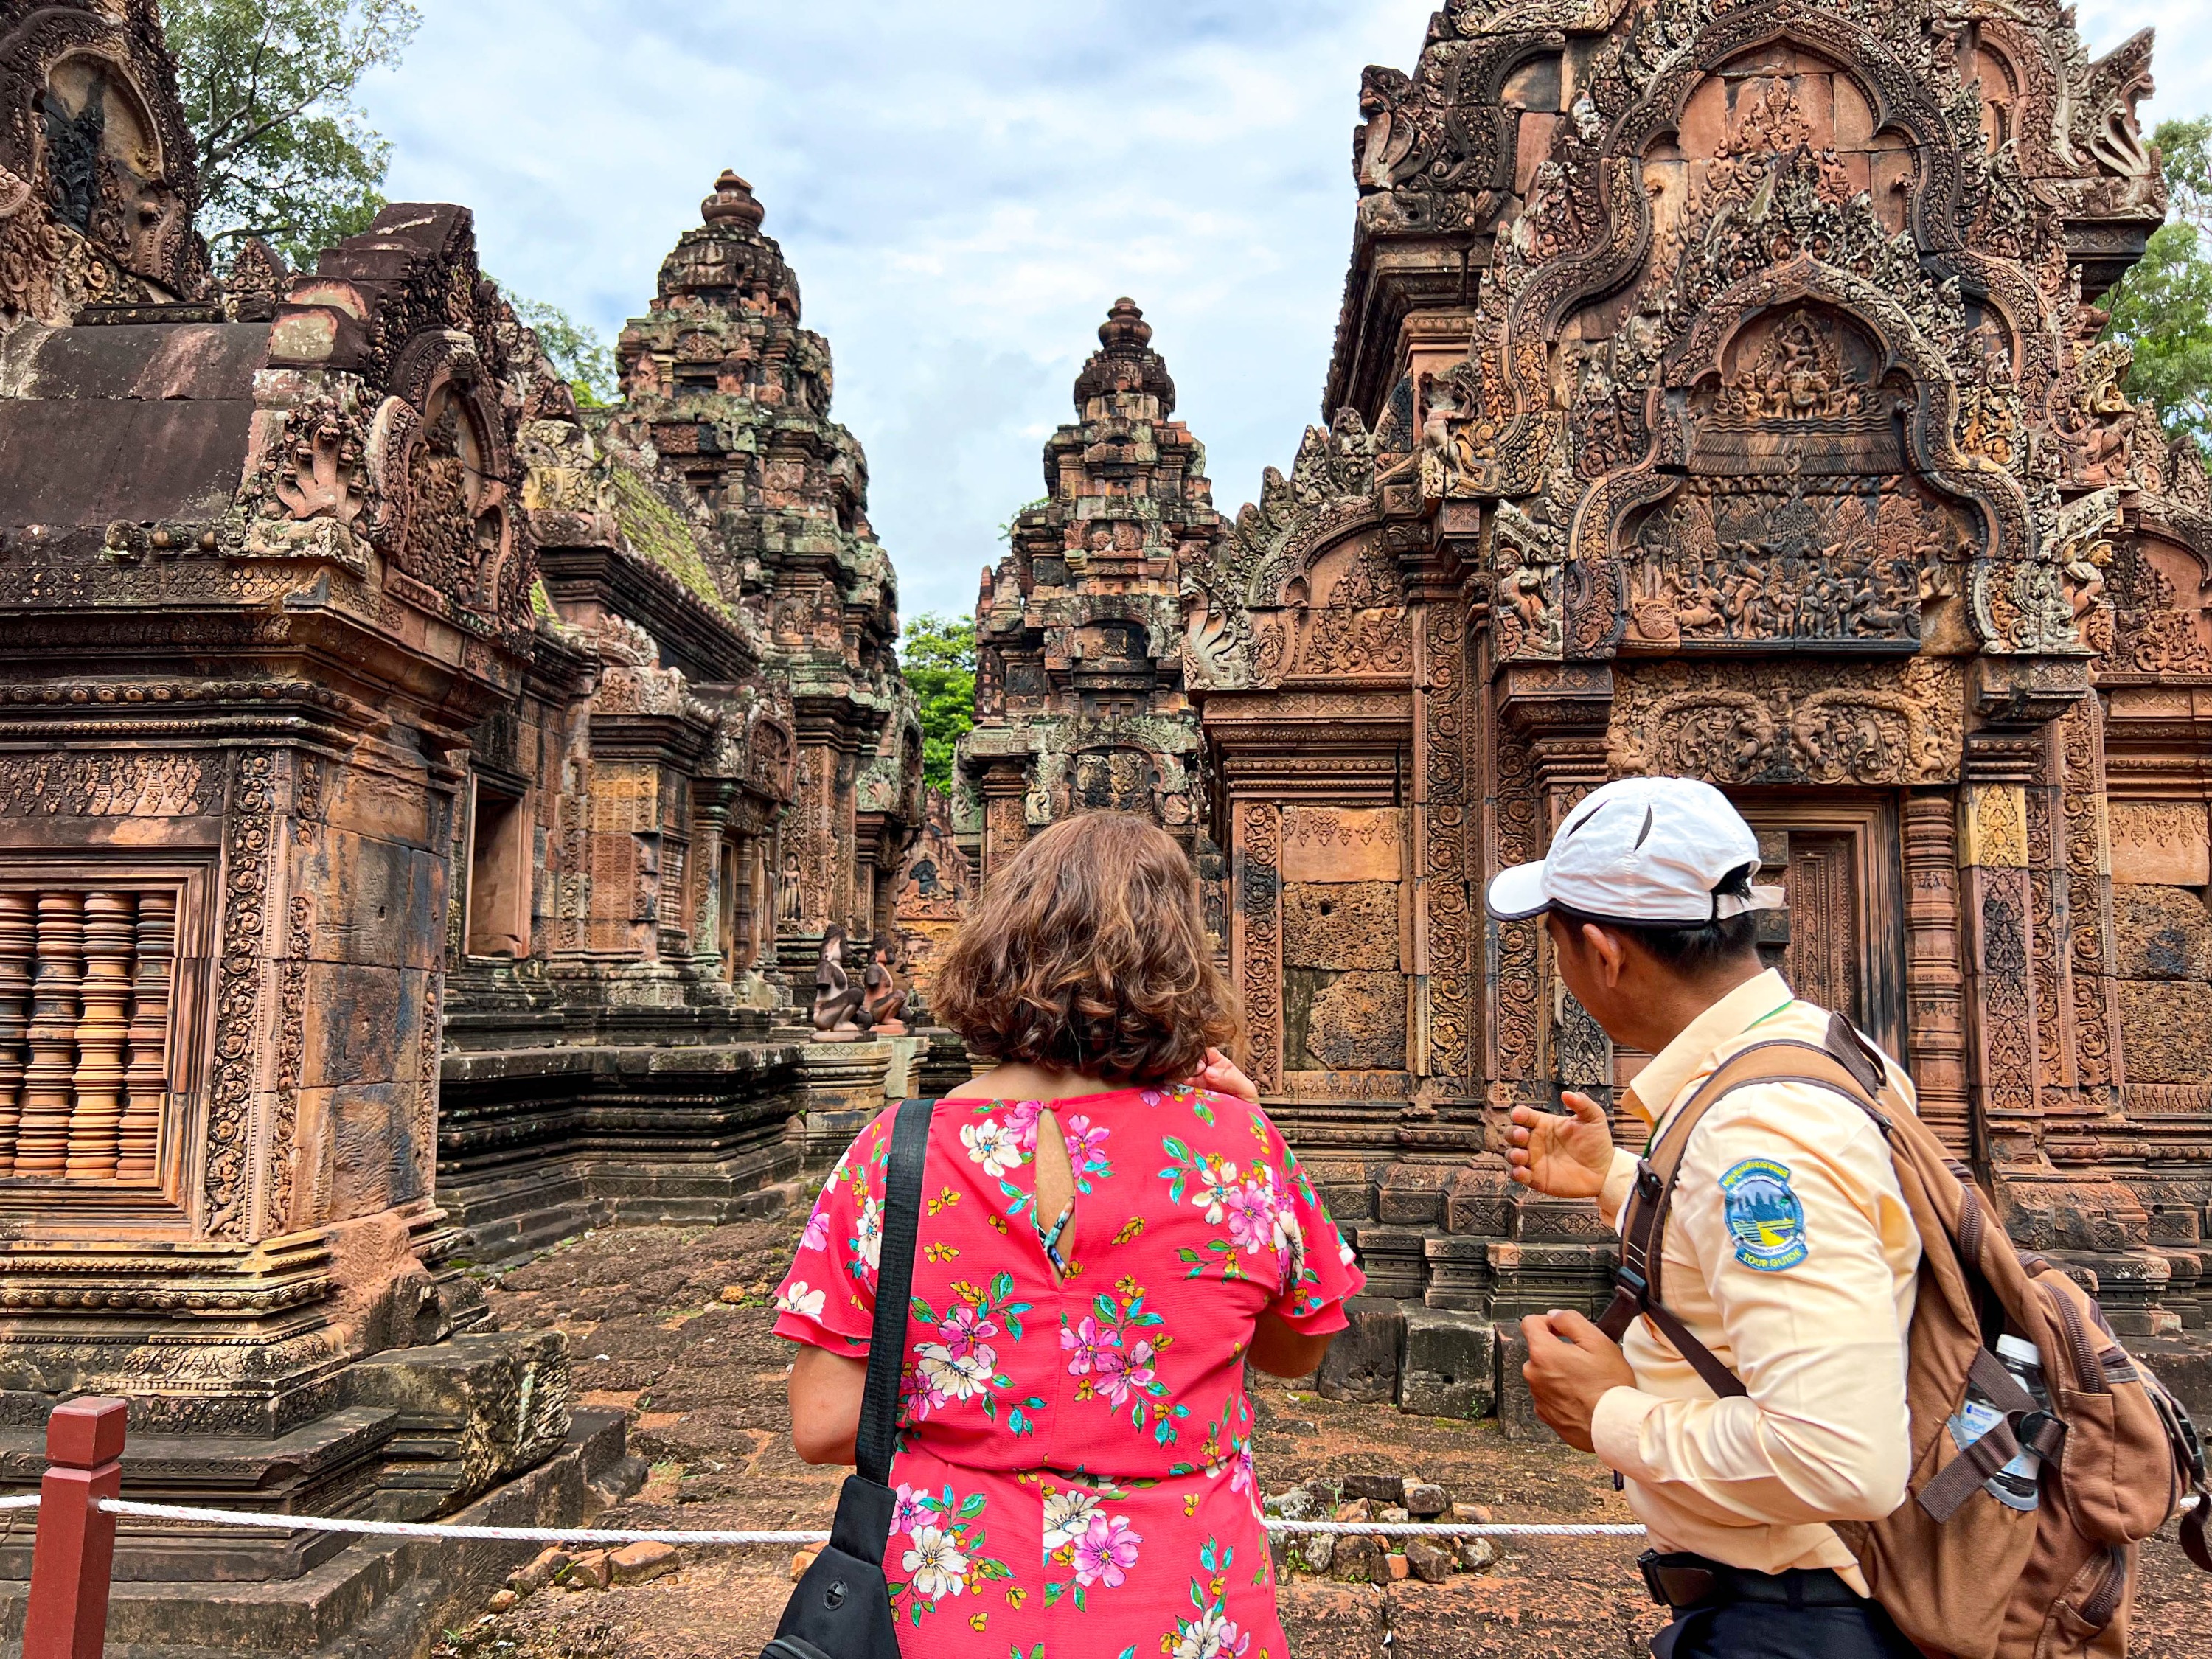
842, 1605
893, 1291
1843, 1066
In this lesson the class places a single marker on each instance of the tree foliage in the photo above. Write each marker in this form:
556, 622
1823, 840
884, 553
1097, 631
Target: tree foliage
578, 353
938, 653
285, 153
2163, 307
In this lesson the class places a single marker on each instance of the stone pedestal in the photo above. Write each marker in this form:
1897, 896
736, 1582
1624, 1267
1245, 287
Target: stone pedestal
840, 1089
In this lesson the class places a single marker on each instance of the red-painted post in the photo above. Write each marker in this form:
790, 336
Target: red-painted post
71, 1563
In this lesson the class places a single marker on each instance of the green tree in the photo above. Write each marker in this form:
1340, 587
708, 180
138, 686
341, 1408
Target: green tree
269, 86
939, 658
2163, 307
579, 352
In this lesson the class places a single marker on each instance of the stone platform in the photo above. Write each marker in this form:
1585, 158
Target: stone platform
372, 1599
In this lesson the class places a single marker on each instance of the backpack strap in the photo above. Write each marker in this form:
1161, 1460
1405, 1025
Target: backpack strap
1843, 1066
879, 1396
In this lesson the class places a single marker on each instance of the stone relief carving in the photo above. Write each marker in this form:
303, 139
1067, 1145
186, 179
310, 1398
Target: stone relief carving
1787, 724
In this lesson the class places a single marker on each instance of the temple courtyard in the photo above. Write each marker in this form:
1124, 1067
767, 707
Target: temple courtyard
672, 1325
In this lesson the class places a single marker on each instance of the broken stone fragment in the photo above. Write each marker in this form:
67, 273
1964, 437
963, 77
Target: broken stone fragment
1398, 1567
1356, 1509
541, 1571
1392, 1512
1429, 1559
587, 1571
1296, 1505
803, 1558
1426, 1500
1358, 1560
1475, 1554
1379, 1488
1317, 1550
1477, 1513
637, 1564
501, 1600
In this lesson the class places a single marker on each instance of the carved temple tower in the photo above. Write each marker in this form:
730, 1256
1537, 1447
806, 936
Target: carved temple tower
264, 571
1079, 698
1720, 392
722, 384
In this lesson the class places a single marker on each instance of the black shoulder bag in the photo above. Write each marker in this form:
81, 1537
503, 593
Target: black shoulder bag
842, 1607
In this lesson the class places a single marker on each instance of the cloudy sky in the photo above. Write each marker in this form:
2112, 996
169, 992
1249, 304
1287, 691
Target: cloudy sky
963, 189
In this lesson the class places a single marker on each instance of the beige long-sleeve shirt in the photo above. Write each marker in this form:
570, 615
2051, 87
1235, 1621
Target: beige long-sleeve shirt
1789, 1253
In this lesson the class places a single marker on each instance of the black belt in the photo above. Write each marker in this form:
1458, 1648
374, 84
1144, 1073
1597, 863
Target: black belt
1683, 1581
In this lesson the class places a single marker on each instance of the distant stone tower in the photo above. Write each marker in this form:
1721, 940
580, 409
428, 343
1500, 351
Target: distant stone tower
1079, 699
722, 382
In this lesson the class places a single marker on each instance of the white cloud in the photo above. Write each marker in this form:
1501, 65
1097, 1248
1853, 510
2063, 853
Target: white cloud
963, 190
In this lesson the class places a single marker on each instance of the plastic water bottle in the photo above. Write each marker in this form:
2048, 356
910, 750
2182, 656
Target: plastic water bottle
2015, 1485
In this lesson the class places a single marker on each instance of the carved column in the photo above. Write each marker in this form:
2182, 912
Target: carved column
42, 1136
105, 994
1256, 947
1994, 830
1934, 972
19, 933
2093, 953
1443, 1051
146, 1073
1005, 786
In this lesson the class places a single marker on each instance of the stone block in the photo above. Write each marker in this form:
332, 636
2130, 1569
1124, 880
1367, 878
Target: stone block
1362, 1364
1359, 1561
1458, 1273
1372, 1489
1517, 1408
1424, 1500
473, 1412
1340, 925
1479, 1198
2165, 933
1447, 1368
2167, 1025
1357, 1023
1430, 1559
1392, 1258
1344, 844
588, 1572
1476, 1554
541, 1570
2160, 842
638, 1563
1411, 1195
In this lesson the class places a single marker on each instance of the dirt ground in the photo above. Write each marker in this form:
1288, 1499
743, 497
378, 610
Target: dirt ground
673, 1326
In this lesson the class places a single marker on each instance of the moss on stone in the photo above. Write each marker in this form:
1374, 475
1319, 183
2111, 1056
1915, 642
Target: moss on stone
659, 532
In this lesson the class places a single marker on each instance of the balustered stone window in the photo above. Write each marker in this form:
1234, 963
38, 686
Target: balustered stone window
88, 1004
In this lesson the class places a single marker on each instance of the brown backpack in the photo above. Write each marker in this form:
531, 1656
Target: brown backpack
1962, 1573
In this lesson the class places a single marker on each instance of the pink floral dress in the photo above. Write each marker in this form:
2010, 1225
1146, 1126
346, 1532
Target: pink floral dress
1074, 1469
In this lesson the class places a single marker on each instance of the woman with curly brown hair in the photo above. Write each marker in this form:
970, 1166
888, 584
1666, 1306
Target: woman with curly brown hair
1114, 1231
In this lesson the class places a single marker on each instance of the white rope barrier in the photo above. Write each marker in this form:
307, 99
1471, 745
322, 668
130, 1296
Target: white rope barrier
604, 1535
664, 1535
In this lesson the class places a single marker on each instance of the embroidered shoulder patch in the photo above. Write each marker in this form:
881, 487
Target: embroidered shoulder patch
1765, 1218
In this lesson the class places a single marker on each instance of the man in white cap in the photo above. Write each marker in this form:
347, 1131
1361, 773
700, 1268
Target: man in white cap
1788, 1252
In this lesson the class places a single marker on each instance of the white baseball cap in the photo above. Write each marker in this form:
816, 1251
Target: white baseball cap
1649, 852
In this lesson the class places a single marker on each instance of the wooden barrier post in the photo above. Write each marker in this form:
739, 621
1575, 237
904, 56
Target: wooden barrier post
75, 1553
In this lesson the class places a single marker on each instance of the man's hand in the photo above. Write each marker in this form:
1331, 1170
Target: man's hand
1224, 1077
1563, 1157
1571, 1366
